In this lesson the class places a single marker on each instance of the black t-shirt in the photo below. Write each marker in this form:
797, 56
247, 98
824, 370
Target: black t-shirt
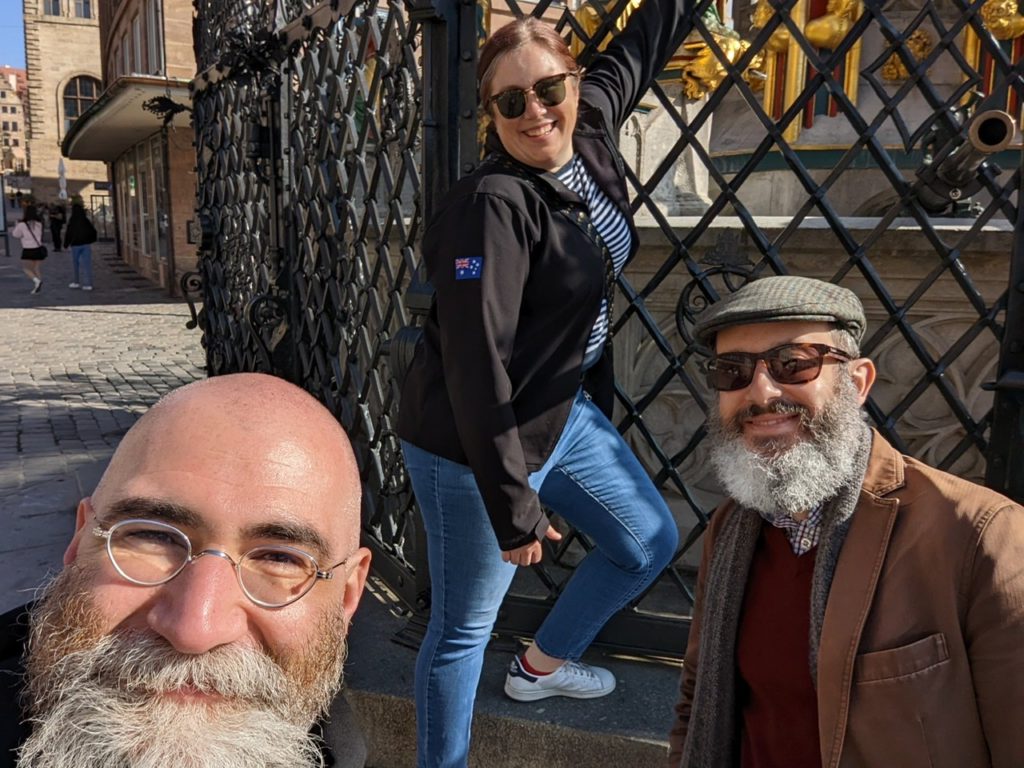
345, 745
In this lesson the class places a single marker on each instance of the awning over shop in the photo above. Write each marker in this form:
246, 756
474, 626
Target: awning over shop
119, 119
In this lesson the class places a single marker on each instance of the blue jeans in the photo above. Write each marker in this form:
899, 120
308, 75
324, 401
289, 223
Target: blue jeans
594, 481
81, 257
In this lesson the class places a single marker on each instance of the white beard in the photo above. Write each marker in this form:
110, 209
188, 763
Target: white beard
783, 482
116, 701
95, 728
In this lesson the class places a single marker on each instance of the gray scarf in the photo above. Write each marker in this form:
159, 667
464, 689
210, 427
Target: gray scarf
712, 738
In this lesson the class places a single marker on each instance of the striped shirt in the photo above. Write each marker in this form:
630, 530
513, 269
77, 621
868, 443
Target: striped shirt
611, 225
802, 535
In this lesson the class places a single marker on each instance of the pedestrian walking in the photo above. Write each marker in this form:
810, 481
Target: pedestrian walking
506, 405
30, 232
57, 218
80, 236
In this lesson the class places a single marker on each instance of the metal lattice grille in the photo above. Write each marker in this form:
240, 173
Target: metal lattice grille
934, 319
235, 206
226, 30
351, 174
816, 137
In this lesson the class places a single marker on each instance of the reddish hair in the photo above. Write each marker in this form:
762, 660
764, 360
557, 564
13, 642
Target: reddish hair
515, 35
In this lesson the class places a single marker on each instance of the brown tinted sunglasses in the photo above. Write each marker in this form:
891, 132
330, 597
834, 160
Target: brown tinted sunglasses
786, 363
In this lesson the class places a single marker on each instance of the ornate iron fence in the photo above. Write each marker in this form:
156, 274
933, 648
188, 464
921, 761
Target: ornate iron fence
788, 136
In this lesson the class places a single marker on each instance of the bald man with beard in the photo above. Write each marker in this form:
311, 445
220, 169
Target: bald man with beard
189, 627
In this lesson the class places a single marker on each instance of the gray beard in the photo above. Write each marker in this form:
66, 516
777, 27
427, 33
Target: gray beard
94, 728
781, 481
104, 702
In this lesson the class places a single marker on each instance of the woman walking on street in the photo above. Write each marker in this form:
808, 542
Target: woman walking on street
30, 232
80, 236
506, 405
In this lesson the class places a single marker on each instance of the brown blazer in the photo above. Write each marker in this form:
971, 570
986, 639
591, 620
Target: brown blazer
922, 649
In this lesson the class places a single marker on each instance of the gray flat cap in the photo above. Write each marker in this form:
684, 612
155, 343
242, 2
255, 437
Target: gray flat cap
786, 297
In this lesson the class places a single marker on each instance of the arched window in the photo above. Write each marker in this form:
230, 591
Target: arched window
79, 94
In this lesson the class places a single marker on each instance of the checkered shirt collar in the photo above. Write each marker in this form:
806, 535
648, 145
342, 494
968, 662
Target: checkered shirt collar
803, 536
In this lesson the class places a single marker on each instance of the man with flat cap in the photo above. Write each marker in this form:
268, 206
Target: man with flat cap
201, 617
855, 608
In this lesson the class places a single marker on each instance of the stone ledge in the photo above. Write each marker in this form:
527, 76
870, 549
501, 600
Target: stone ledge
627, 728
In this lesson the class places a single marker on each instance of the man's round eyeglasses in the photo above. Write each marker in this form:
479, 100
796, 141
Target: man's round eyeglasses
786, 363
149, 553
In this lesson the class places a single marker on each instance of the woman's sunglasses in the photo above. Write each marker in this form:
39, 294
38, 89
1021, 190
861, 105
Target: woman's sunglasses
550, 91
787, 364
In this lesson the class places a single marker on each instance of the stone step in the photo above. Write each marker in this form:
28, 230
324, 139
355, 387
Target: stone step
626, 729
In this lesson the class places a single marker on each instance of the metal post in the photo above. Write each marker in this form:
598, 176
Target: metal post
440, 21
1005, 471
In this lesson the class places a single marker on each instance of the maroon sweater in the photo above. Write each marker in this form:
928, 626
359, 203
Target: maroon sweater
778, 703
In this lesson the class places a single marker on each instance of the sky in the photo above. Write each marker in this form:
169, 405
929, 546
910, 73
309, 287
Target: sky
12, 34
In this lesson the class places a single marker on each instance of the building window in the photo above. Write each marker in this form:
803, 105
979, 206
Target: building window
126, 55
79, 94
14, 125
51, 7
83, 9
137, 65
14, 110
14, 142
154, 34
4, 109
5, 126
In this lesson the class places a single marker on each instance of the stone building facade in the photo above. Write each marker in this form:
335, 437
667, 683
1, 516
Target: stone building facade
147, 63
63, 66
13, 123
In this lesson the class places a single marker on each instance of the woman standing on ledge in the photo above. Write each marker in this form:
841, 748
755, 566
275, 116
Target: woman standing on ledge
506, 404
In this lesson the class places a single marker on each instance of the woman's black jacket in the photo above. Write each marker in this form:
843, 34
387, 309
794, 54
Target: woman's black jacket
518, 286
80, 230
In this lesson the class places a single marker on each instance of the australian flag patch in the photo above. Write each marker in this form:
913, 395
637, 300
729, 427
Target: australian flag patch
469, 268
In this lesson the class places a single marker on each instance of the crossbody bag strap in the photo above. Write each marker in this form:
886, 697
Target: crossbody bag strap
578, 215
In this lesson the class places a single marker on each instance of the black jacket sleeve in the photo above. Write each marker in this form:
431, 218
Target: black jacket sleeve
620, 75
478, 314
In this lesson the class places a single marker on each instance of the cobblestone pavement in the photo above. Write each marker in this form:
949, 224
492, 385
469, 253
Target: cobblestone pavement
76, 370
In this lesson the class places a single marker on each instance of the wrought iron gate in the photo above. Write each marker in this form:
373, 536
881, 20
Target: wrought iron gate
326, 131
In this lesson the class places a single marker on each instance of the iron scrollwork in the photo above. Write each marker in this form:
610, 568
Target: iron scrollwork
267, 318
192, 289
694, 299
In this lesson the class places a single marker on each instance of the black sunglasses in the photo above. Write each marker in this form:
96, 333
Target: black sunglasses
787, 364
550, 91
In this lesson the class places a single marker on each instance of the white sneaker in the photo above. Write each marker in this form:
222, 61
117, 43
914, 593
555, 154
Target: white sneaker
573, 679
74, 285
86, 287
36, 284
